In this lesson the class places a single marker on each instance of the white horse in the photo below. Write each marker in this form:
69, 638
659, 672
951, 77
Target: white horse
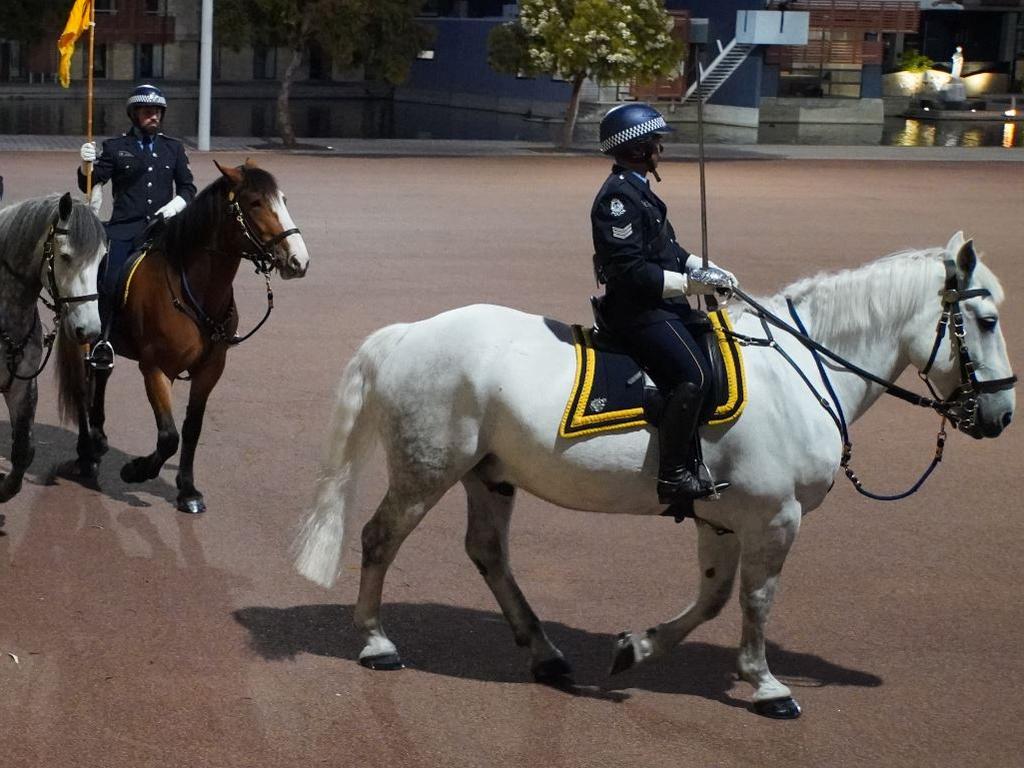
476, 394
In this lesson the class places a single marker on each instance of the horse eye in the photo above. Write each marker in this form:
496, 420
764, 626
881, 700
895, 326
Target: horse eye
988, 323
256, 204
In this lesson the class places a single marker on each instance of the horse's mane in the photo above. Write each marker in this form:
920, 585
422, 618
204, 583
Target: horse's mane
196, 226
23, 224
835, 304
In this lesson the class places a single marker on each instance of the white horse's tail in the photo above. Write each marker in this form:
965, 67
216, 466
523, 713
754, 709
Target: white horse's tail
350, 439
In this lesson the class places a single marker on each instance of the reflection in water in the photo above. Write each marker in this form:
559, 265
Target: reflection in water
384, 118
951, 133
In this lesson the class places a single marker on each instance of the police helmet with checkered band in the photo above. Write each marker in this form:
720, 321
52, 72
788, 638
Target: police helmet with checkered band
145, 95
630, 123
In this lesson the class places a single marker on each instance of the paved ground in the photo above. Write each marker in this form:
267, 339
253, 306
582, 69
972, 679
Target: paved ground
144, 637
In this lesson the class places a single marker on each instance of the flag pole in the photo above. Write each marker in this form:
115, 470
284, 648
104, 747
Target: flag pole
88, 97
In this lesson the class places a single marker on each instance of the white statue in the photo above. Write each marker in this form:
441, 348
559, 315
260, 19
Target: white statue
957, 63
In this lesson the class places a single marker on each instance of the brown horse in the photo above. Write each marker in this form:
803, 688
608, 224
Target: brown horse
177, 313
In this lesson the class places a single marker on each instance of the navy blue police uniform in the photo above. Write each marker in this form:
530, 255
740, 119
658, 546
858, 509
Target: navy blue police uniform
634, 244
145, 173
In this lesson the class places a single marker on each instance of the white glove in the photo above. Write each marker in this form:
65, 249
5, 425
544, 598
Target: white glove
709, 281
88, 152
177, 205
693, 261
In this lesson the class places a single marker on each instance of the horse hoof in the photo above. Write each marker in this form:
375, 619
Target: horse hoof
624, 655
556, 672
87, 470
129, 475
383, 662
193, 506
778, 709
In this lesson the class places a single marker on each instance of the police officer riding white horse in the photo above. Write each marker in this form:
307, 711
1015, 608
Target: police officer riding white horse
151, 179
647, 277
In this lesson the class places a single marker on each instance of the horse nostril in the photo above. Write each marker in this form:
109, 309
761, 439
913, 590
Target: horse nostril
1007, 418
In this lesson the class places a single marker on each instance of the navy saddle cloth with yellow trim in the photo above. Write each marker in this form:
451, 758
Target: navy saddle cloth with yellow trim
610, 392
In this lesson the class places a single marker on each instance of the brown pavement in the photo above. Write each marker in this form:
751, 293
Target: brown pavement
144, 637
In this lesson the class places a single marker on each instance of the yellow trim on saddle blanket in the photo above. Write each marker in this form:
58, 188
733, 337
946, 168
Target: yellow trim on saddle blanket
577, 423
131, 274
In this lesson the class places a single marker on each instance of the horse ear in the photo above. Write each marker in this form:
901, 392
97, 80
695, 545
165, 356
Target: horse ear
234, 175
966, 258
64, 207
955, 242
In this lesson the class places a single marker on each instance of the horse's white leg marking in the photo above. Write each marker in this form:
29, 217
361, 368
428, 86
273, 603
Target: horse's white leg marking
718, 556
489, 515
763, 552
395, 518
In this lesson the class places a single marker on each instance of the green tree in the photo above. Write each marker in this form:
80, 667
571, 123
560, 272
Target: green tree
912, 61
576, 39
383, 35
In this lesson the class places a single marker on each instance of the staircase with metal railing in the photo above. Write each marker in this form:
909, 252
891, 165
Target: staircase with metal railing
718, 71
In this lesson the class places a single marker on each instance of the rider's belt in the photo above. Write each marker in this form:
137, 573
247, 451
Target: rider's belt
608, 389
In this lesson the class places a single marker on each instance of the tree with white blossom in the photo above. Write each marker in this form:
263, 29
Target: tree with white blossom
578, 39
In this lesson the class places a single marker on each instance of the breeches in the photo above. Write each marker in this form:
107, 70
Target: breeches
118, 252
669, 354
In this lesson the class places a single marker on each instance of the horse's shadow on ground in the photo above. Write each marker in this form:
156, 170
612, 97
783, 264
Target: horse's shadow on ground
55, 462
477, 645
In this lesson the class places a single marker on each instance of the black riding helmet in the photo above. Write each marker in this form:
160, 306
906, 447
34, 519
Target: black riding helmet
145, 95
631, 124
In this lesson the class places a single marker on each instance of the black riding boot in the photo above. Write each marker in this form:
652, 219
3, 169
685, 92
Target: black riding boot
677, 480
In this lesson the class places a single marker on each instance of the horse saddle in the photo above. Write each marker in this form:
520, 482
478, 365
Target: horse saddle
610, 391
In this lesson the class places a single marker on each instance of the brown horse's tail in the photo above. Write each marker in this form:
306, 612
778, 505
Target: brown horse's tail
71, 378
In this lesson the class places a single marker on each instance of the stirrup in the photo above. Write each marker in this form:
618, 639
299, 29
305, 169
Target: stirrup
101, 356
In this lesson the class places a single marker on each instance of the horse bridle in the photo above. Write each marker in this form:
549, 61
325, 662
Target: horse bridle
14, 351
960, 408
263, 258
964, 399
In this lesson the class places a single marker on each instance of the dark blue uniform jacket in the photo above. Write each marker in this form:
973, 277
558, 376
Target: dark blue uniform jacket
634, 244
144, 177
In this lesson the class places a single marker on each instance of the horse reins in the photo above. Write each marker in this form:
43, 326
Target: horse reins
262, 259
14, 351
964, 397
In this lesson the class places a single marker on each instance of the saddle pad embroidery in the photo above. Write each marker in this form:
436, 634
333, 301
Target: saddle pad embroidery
605, 397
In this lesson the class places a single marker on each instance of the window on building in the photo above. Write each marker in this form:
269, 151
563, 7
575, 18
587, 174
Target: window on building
99, 61
154, 7
264, 63
105, 6
149, 61
319, 64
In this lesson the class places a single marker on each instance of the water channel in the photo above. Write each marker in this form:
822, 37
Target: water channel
383, 118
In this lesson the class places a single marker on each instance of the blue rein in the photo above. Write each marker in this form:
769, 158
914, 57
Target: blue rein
840, 419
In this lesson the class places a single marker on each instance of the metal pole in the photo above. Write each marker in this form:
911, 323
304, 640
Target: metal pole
700, 159
205, 76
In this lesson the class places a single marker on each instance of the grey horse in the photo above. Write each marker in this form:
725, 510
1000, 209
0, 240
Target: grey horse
56, 243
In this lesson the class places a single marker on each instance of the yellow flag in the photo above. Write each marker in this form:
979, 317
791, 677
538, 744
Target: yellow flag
78, 22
